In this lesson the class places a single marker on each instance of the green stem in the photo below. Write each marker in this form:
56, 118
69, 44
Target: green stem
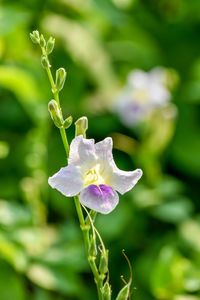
56, 96
85, 227
64, 140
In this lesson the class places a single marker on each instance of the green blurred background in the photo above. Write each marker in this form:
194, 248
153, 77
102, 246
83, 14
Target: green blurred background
158, 223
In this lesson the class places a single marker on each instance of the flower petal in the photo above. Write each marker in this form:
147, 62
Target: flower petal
104, 150
100, 198
130, 111
67, 180
138, 79
123, 181
82, 151
105, 157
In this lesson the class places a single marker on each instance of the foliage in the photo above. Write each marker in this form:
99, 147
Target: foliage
99, 43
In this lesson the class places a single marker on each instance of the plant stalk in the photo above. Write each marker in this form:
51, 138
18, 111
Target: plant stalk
85, 227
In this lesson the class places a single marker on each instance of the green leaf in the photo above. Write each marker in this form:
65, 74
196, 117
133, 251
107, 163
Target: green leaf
12, 253
11, 283
55, 279
13, 214
190, 232
11, 18
25, 87
175, 211
168, 274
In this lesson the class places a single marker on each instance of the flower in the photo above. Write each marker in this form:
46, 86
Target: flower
144, 92
92, 172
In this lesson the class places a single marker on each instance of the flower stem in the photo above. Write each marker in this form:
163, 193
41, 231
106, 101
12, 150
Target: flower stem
56, 96
84, 225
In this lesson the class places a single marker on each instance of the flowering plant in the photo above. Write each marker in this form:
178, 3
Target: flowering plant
91, 177
142, 94
92, 173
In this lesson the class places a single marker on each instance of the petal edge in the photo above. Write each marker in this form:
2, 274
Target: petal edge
124, 181
102, 198
67, 181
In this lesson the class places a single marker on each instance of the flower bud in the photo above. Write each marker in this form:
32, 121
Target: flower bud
106, 291
124, 293
45, 63
42, 41
60, 78
103, 264
81, 126
68, 122
92, 247
55, 113
35, 37
50, 45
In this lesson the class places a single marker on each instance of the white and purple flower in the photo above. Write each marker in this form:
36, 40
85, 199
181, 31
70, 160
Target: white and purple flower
143, 92
92, 173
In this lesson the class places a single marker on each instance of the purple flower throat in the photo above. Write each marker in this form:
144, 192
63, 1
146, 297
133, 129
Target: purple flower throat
101, 190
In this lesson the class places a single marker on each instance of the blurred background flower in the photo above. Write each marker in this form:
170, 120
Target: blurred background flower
99, 42
143, 93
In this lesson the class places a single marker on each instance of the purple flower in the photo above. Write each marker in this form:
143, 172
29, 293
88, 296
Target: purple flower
92, 173
143, 92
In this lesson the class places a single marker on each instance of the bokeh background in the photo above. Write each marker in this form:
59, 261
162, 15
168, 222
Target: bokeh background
158, 223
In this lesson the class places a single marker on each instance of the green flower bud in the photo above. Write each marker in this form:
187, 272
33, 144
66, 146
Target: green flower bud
81, 126
124, 293
60, 78
42, 41
55, 113
68, 122
92, 246
103, 264
50, 45
35, 37
106, 291
45, 63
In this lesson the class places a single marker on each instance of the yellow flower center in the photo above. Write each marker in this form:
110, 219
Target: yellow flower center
93, 176
141, 95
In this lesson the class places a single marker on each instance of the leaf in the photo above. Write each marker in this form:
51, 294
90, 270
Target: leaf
11, 284
24, 86
13, 214
4, 149
190, 232
55, 279
11, 18
12, 253
175, 211
168, 274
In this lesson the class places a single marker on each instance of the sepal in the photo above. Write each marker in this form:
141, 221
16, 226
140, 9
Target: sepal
106, 291
92, 246
45, 63
67, 122
103, 264
42, 41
